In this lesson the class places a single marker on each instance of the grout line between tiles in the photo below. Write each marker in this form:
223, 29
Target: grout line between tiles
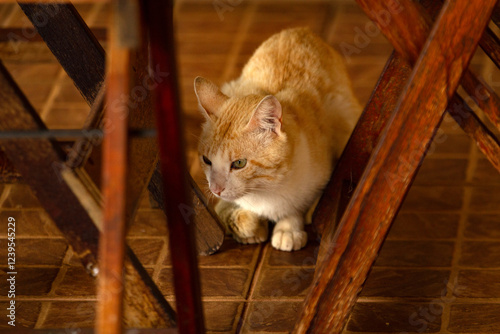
452, 284
5, 194
44, 311
331, 22
238, 41
159, 263
61, 75
264, 249
7, 21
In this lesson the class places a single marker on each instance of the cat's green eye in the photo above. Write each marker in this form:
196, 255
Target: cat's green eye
208, 162
239, 164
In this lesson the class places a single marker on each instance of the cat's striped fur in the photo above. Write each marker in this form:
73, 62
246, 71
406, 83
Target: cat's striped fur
285, 120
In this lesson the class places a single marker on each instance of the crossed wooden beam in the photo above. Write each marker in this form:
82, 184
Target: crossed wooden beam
379, 162
67, 185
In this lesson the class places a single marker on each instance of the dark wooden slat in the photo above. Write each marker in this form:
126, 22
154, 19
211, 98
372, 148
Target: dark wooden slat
114, 175
16, 113
159, 16
490, 43
77, 216
71, 41
386, 178
495, 17
472, 125
484, 96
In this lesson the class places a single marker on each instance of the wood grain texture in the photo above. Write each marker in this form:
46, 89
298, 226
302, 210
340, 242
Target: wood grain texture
394, 162
145, 79
72, 42
159, 16
110, 285
61, 24
49, 182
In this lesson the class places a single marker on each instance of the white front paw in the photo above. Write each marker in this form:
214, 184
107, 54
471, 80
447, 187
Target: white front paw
288, 240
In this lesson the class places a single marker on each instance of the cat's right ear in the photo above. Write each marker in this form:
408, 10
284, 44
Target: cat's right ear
210, 98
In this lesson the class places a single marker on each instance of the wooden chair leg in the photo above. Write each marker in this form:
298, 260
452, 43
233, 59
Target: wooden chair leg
393, 165
159, 17
114, 175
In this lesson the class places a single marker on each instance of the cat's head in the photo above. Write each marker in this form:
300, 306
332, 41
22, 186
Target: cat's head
242, 147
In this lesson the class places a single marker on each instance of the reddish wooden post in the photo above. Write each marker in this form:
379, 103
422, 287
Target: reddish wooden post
158, 15
112, 239
394, 162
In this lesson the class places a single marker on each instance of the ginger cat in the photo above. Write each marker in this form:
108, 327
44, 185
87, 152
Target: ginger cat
272, 136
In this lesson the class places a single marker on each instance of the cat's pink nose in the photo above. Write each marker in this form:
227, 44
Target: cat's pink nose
217, 190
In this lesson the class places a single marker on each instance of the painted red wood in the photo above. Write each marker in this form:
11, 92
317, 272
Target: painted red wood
394, 163
159, 17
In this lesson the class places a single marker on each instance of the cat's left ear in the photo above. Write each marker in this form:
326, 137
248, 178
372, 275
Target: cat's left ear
267, 115
210, 98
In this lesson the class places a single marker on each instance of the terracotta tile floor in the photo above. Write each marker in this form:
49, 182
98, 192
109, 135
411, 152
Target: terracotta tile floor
439, 270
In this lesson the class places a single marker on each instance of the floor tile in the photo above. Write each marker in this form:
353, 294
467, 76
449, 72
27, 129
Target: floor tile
60, 118
442, 172
450, 144
482, 226
397, 253
38, 252
76, 282
485, 173
475, 318
396, 317
283, 282
405, 283
221, 316
147, 249
303, 258
26, 314
231, 254
478, 284
485, 199
71, 315
149, 223
424, 226
433, 198
271, 316
214, 282
29, 281
30, 223
485, 254
20, 196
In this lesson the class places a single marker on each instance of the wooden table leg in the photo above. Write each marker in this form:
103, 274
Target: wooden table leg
114, 174
393, 165
158, 15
